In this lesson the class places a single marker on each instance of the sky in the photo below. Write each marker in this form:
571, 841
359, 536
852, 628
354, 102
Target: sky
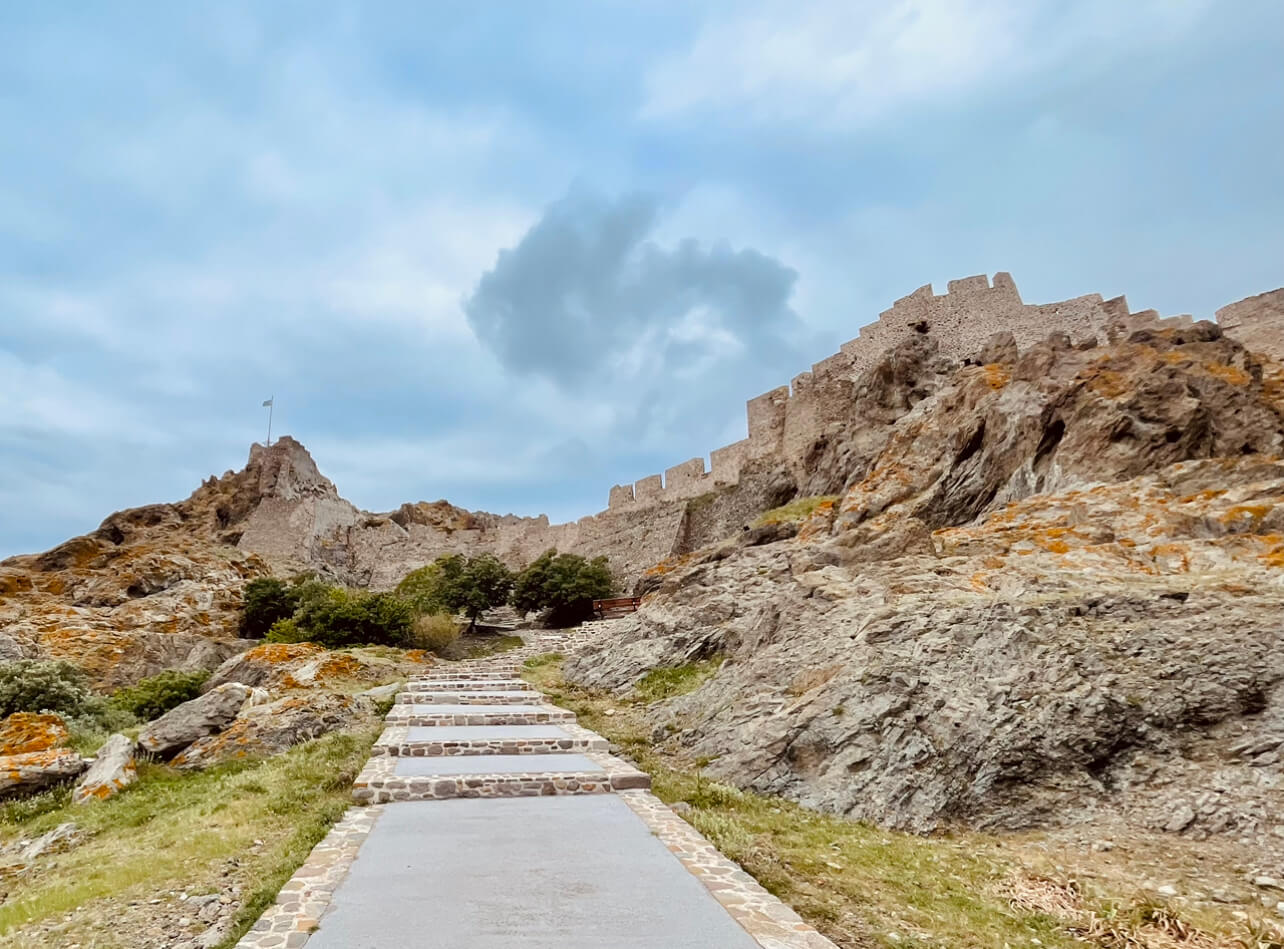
511, 254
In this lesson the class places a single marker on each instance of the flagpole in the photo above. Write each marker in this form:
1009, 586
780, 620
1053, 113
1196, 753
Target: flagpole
271, 408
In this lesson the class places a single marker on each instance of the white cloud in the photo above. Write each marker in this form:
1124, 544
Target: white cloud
853, 61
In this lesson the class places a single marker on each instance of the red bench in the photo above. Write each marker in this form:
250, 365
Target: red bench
619, 606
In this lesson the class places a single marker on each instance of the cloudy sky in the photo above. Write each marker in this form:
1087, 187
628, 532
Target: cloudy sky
510, 254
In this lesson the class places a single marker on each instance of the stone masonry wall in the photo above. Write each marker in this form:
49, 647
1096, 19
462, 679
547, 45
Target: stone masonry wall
1257, 322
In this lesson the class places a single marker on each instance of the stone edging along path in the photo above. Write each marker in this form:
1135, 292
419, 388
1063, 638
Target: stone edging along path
480, 760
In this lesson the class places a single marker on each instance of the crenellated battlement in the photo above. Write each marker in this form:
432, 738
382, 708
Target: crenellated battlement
781, 423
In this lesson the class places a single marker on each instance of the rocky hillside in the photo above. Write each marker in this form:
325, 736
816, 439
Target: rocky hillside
1051, 588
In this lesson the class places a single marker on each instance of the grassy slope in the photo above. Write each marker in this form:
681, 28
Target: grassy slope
863, 886
250, 822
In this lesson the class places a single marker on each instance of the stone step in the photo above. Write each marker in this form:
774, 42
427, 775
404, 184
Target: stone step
433, 715
450, 740
387, 779
459, 697
454, 676
468, 685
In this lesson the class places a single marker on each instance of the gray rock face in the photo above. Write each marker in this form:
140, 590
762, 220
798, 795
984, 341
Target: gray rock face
205, 715
34, 771
112, 771
1112, 648
268, 729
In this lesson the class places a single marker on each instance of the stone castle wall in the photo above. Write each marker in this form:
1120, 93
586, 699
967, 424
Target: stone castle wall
1257, 322
785, 421
653, 518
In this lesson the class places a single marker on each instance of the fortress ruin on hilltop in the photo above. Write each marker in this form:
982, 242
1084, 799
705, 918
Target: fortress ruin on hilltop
784, 421
303, 519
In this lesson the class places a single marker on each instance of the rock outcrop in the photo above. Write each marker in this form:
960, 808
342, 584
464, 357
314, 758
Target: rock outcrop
113, 770
205, 715
1052, 587
276, 726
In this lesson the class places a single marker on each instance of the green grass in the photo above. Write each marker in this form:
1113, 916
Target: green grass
796, 510
667, 681
174, 830
480, 647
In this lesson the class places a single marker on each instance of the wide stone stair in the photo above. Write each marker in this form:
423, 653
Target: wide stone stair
479, 731
495, 821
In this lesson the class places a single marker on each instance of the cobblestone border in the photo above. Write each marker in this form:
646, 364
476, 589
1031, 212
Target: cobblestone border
460, 697
379, 783
395, 741
290, 920
544, 714
771, 923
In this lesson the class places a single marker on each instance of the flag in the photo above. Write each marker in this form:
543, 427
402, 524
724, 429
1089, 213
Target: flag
267, 403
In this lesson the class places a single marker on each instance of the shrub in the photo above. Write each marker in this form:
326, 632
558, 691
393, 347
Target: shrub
423, 588
435, 631
458, 584
154, 696
286, 631
562, 585
266, 600
333, 616
39, 685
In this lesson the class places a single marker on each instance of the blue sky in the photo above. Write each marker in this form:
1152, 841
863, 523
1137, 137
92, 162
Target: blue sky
512, 256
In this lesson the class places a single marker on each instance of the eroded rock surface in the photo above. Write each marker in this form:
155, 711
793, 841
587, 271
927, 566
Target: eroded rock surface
1055, 588
273, 727
113, 770
205, 715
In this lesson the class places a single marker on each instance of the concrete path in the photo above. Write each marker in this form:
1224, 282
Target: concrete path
495, 820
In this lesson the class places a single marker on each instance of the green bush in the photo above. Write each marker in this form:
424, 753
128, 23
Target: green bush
154, 696
334, 617
40, 685
266, 600
435, 631
458, 584
563, 586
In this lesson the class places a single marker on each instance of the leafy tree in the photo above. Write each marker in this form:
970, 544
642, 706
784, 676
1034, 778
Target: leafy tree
563, 585
266, 600
458, 584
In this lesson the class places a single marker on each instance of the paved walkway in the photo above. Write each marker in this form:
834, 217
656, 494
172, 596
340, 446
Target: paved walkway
492, 820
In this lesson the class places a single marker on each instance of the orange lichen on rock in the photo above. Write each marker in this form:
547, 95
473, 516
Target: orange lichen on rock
1231, 374
996, 375
277, 653
24, 732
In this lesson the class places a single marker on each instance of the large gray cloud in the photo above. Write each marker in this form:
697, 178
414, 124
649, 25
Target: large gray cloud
585, 293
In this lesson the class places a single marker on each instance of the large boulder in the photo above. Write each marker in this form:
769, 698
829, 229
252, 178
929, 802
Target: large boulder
38, 770
113, 770
271, 728
24, 732
206, 715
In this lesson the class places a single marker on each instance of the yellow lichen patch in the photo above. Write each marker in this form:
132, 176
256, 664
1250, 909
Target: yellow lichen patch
1107, 382
668, 565
333, 667
418, 655
1249, 514
24, 732
979, 584
1232, 374
1273, 557
995, 375
275, 653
